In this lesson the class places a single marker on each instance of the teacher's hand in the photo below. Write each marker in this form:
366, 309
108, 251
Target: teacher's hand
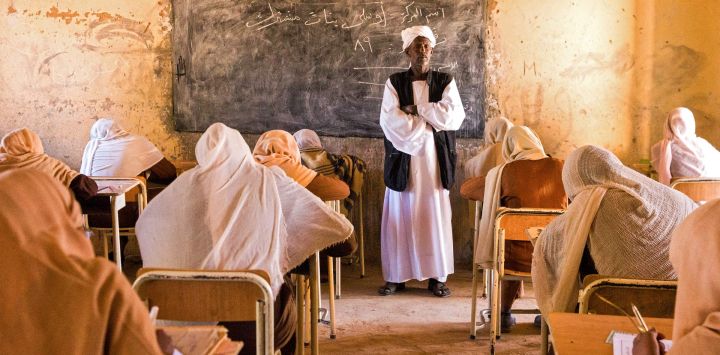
409, 109
648, 343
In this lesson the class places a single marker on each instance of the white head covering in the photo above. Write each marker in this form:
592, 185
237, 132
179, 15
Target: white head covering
307, 139
682, 153
627, 217
112, 151
520, 143
695, 254
409, 34
230, 212
491, 155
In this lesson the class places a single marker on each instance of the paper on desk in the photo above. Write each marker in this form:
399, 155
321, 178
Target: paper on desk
623, 343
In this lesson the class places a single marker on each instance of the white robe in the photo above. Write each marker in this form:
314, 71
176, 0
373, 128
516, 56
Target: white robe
416, 231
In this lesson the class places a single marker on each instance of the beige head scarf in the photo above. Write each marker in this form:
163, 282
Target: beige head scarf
278, 148
409, 34
112, 151
231, 213
695, 254
307, 139
623, 216
55, 292
520, 143
492, 154
22, 148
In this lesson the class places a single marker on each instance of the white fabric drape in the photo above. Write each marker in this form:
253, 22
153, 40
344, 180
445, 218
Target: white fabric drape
416, 229
624, 218
520, 143
307, 139
491, 155
112, 151
232, 213
681, 153
695, 254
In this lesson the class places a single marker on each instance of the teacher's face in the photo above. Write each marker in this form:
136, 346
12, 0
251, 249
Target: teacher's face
419, 52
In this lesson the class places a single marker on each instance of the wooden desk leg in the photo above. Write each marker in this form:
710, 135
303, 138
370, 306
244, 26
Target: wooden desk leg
331, 293
543, 336
338, 278
300, 307
314, 302
473, 304
116, 232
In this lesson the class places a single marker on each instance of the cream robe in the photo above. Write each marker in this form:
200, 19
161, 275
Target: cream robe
416, 230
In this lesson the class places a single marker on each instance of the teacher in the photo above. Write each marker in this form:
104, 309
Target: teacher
421, 110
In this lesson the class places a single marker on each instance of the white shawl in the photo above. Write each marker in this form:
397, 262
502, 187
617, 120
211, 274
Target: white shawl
624, 217
307, 139
112, 151
520, 143
681, 153
232, 213
491, 154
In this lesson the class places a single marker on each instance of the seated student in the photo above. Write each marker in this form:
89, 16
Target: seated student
491, 154
231, 213
279, 148
22, 148
618, 223
348, 168
681, 153
695, 254
112, 151
509, 185
57, 297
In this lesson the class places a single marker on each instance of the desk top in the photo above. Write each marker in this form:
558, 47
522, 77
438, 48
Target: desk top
574, 333
114, 186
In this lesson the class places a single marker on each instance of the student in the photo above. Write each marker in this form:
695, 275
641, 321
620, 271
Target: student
491, 155
22, 148
695, 254
279, 148
230, 213
348, 168
112, 151
681, 153
508, 185
57, 297
620, 218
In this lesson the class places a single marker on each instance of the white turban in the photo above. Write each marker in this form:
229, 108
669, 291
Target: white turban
409, 34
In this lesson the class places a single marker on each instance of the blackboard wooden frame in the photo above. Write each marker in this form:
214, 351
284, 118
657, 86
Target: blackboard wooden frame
261, 65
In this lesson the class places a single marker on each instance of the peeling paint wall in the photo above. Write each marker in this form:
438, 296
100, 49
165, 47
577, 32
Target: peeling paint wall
603, 72
578, 72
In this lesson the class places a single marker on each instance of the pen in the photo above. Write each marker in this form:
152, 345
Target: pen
640, 318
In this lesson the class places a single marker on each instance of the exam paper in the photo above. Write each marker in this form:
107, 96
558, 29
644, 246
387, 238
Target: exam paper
623, 343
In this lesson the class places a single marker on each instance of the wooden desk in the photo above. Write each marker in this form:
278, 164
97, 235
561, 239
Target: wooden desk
115, 189
202, 340
574, 333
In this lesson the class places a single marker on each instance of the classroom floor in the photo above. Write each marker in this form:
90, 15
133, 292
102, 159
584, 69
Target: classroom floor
416, 322
412, 321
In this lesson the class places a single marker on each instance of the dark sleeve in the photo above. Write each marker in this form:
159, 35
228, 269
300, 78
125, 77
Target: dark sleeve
83, 187
473, 188
163, 172
328, 189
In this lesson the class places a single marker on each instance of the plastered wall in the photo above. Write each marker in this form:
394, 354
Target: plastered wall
578, 72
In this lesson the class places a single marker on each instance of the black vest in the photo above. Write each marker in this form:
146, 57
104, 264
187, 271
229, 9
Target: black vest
397, 163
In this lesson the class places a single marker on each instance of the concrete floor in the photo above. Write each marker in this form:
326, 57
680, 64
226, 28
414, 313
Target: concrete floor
416, 322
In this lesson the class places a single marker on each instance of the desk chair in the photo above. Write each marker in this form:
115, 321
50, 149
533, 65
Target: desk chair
510, 224
654, 298
211, 296
333, 264
700, 189
136, 195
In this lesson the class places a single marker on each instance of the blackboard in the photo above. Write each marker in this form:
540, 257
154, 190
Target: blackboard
261, 65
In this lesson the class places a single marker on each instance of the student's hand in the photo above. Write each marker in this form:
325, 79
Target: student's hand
649, 343
409, 109
165, 342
